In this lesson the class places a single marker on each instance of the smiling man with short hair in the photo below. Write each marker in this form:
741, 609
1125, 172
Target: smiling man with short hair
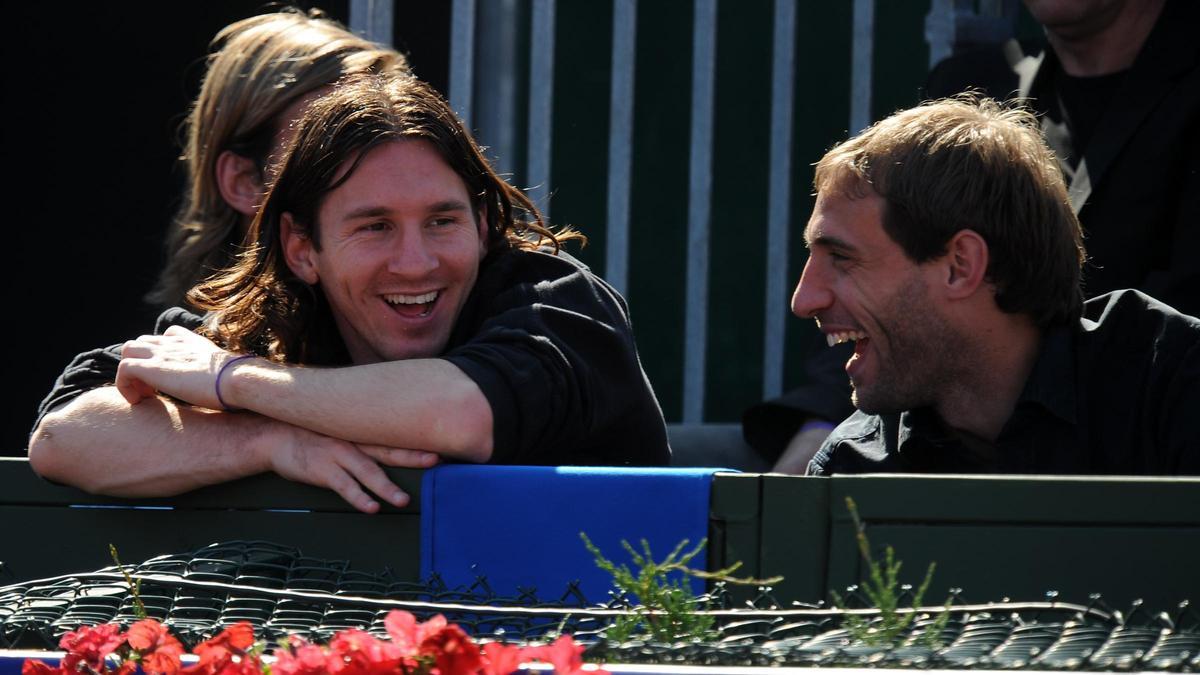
944, 245
397, 302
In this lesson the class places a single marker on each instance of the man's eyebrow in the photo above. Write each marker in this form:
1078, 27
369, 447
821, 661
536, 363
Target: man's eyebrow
366, 212
375, 211
450, 205
827, 241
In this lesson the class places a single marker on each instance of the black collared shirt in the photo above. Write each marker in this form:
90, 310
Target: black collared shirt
1118, 394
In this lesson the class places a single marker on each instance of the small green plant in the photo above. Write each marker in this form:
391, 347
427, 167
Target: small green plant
884, 590
667, 609
135, 587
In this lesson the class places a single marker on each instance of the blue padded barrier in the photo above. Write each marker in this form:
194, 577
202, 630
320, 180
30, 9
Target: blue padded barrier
519, 525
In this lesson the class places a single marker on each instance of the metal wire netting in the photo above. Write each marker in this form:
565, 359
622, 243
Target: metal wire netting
279, 591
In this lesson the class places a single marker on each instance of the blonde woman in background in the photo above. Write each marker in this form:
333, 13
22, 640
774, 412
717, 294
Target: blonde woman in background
261, 74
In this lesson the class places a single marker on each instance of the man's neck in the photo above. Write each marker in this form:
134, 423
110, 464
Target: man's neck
1111, 45
985, 395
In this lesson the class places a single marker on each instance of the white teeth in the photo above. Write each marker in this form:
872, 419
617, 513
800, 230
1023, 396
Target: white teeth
844, 336
398, 299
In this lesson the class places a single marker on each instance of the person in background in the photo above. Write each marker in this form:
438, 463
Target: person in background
261, 73
1116, 88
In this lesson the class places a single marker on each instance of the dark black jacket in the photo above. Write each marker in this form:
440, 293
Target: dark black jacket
1118, 394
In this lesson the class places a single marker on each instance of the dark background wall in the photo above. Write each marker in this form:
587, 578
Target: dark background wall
94, 97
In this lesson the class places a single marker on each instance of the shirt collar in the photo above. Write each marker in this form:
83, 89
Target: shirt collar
923, 424
1051, 384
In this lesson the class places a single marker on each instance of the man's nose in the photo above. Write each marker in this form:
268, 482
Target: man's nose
413, 255
812, 295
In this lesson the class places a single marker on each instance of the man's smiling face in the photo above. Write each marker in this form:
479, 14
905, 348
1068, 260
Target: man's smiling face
400, 248
859, 285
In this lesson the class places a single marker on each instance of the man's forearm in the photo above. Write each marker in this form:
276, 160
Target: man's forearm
417, 404
423, 404
100, 443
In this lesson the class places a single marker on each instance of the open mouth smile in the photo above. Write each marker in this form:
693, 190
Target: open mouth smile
412, 306
837, 338
861, 341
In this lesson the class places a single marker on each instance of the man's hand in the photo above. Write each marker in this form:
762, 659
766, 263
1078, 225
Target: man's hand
348, 469
179, 363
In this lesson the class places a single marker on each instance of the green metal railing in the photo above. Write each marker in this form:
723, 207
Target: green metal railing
281, 592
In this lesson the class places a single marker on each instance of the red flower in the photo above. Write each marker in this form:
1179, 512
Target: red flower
363, 654
90, 645
435, 647
237, 637
225, 653
242, 665
227, 664
453, 650
159, 650
31, 667
430, 628
304, 659
500, 659
564, 655
402, 628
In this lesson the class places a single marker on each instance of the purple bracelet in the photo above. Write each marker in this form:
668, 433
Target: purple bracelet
221, 372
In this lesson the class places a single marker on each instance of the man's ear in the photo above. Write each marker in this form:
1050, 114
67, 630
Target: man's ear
298, 250
240, 182
966, 263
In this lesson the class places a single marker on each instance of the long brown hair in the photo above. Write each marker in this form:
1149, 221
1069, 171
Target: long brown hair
256, 68
260, 305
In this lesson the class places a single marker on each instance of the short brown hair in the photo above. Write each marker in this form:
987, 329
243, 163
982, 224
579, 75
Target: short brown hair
260, 305
972, 163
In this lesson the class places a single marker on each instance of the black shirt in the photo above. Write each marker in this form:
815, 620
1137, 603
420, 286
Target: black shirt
1118, 394
549, 344
1084, 100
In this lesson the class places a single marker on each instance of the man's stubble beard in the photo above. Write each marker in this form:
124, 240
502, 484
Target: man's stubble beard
925, 356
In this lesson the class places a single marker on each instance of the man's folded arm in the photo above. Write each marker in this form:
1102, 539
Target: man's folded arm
426, 404
421, 404
102, 444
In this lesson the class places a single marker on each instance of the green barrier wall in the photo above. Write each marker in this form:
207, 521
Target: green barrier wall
47, 530
993, 537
